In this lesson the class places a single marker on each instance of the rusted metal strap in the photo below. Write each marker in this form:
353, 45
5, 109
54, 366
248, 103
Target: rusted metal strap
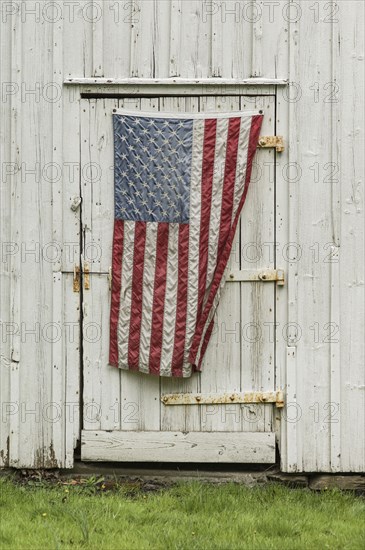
251, 275
276, 397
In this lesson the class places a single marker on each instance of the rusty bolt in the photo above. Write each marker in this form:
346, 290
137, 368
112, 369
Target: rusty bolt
263, 276
198, 398
165, 399
231, 276
232, 398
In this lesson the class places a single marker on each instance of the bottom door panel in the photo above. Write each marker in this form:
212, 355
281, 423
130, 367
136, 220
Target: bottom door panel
222, 447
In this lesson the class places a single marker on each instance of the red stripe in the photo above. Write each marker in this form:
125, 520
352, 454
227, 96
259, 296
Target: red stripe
229, 182
223, 259
181, 303
159, 297
137, 295
118, 241
210, 131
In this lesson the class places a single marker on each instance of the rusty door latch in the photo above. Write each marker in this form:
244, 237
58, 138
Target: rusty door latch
276, 142
77, 278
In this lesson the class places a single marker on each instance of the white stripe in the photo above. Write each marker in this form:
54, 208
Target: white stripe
169, 318
217, 190
243, 142
126, 294
194, 238
147, 299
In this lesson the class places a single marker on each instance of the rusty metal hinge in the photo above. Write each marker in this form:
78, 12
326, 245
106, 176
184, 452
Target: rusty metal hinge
251, 275
271, 141
77, 278
276, 397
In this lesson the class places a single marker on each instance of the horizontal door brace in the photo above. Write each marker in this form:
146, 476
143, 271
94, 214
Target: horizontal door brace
276, 397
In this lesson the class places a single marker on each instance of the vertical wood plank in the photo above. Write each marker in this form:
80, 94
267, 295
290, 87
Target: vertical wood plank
62, 444
78, 39
257, 35
257, 245
7, 247
162, 30
98, 18
15, 238
195, 42
348, 229
292, 414
72, 406
282, 220
117, 38
175, 37
143, 37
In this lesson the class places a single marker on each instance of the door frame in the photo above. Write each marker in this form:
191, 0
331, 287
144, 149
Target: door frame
196, 91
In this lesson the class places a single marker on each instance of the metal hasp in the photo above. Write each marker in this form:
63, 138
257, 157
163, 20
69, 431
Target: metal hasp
251, 275
271, 141
77, 278
276, 397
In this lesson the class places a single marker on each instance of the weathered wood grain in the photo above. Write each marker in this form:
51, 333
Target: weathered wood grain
222, 447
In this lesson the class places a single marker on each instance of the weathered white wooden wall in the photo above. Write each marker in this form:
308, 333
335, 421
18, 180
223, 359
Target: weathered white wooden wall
318, 47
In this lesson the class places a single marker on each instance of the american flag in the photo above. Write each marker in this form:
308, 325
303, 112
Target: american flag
180, 184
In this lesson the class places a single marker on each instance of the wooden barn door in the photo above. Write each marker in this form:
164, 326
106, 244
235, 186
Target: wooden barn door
124, 415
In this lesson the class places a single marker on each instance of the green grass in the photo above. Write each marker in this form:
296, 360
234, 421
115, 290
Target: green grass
187, 516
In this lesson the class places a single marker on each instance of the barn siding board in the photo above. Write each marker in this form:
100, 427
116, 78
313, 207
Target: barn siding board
5, 229
349, 119
158, 39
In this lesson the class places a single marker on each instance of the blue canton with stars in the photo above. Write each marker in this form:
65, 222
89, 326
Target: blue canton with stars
152, 168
